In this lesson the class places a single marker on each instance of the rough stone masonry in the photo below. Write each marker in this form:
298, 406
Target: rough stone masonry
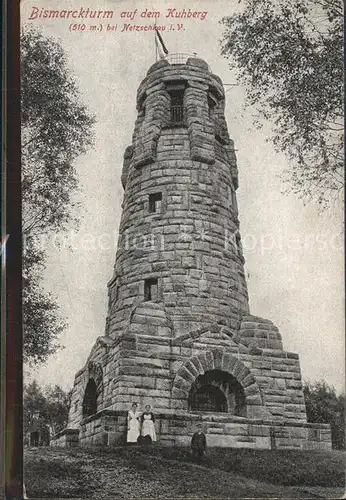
179, 334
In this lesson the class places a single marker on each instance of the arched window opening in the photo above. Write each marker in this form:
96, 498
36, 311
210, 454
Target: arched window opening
90, 399
217, 391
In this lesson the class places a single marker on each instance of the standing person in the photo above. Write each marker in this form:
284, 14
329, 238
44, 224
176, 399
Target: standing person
133, 424
198, 443
148, 423
45, 435
34, 430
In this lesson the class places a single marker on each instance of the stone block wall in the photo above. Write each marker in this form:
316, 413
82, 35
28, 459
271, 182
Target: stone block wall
259, 332
192, 245
66, 438
188, 247
109, 428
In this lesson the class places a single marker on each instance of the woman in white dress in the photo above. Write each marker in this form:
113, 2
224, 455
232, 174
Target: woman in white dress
133, 425
148, 423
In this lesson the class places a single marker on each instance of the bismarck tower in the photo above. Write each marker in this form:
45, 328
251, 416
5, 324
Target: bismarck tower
179, 334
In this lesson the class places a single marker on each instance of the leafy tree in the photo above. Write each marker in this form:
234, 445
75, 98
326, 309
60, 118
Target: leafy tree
58, 406
56, 129
52, 404
41, 319
288, 54
323, 405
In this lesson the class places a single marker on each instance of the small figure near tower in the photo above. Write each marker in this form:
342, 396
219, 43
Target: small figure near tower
133, 424
198, 443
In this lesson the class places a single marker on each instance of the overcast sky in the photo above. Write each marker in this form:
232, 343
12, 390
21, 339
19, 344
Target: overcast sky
294, 255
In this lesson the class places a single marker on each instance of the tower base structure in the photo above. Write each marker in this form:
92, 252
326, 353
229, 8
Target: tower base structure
268, 408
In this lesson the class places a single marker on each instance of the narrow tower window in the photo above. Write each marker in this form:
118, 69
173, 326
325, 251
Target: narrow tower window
237, 239
151, 289
234, 200
155, 202
177, 106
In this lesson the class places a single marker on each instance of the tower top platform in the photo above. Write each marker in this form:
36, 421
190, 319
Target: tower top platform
178, 59
183, 58
184, 68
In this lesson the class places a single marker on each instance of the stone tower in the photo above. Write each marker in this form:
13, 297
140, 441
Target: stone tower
179, 334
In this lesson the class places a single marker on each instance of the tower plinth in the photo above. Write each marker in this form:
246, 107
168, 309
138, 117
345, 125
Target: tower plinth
179, 334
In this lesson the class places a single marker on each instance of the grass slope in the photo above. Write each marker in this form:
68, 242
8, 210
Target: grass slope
163, 473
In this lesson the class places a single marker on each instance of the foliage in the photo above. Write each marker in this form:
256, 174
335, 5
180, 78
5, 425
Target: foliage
323, 405
58, 406
289, 57
34, 401
41, 319
52, 404
56, 129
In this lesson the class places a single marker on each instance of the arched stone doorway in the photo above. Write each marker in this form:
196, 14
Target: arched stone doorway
248, 395
217, 391
90, 399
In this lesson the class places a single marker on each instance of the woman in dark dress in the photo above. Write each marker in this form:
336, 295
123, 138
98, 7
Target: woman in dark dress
148, 423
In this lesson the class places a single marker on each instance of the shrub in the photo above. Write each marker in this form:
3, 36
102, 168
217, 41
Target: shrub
323, 405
